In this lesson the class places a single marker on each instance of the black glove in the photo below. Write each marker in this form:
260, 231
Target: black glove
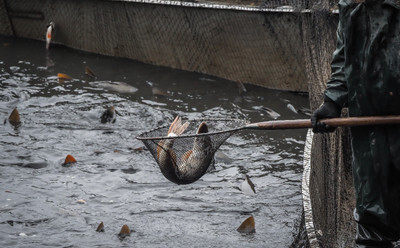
327, 110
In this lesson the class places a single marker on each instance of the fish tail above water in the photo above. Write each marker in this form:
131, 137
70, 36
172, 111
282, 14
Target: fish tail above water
203, 128
177, 128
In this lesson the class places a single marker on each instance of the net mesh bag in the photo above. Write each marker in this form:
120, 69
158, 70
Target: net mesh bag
185, 158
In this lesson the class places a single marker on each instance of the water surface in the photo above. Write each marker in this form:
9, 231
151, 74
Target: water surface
41, 201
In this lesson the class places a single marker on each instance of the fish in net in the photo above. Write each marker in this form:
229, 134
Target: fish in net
185, 151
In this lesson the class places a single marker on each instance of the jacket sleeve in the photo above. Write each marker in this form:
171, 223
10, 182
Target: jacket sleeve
336, 87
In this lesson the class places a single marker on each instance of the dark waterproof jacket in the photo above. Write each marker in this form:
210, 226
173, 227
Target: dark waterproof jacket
366, 79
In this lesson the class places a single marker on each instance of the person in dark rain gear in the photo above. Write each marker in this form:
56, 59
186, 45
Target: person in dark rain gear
366, 79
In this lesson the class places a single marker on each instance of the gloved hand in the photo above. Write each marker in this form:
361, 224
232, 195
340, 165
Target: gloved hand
328, 109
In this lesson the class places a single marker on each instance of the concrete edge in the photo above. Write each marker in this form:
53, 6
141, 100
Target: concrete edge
308, 215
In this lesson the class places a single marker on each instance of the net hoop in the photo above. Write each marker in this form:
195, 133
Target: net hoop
240, 125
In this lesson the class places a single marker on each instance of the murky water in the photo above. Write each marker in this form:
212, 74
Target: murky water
120, 184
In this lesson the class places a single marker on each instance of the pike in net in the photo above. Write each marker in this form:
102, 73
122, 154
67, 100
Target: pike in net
185, 151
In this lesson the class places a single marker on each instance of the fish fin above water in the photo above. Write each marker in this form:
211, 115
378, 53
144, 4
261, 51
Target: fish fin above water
14, 116
177, 128
247, 226
100, 227
252, 186
125, 231
247, 186
109, 115
203, 128
69, 160
89, 72
63, 77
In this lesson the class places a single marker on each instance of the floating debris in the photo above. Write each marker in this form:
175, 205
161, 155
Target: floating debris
63, 77
89, 72
109, 115
125, 231
248, 226
100, 227
69, 160
14, 118
290, 106
119, 87
50, 29
158, 92
247, 186
81, 201
274, 115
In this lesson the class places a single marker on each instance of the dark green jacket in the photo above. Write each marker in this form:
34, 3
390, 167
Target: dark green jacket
366, 79
366, 64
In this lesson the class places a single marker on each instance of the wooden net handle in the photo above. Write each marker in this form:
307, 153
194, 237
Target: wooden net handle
335, 122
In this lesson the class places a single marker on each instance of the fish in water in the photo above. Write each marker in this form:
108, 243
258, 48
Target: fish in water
63, 77
14, 118
89, 72
247, 226
305, 111
69, 160
100, 227
49, 32
125, 231
241, 87
109, 115
158, 92
274, 115
194, 163
291, 107
119, 87
247, 186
